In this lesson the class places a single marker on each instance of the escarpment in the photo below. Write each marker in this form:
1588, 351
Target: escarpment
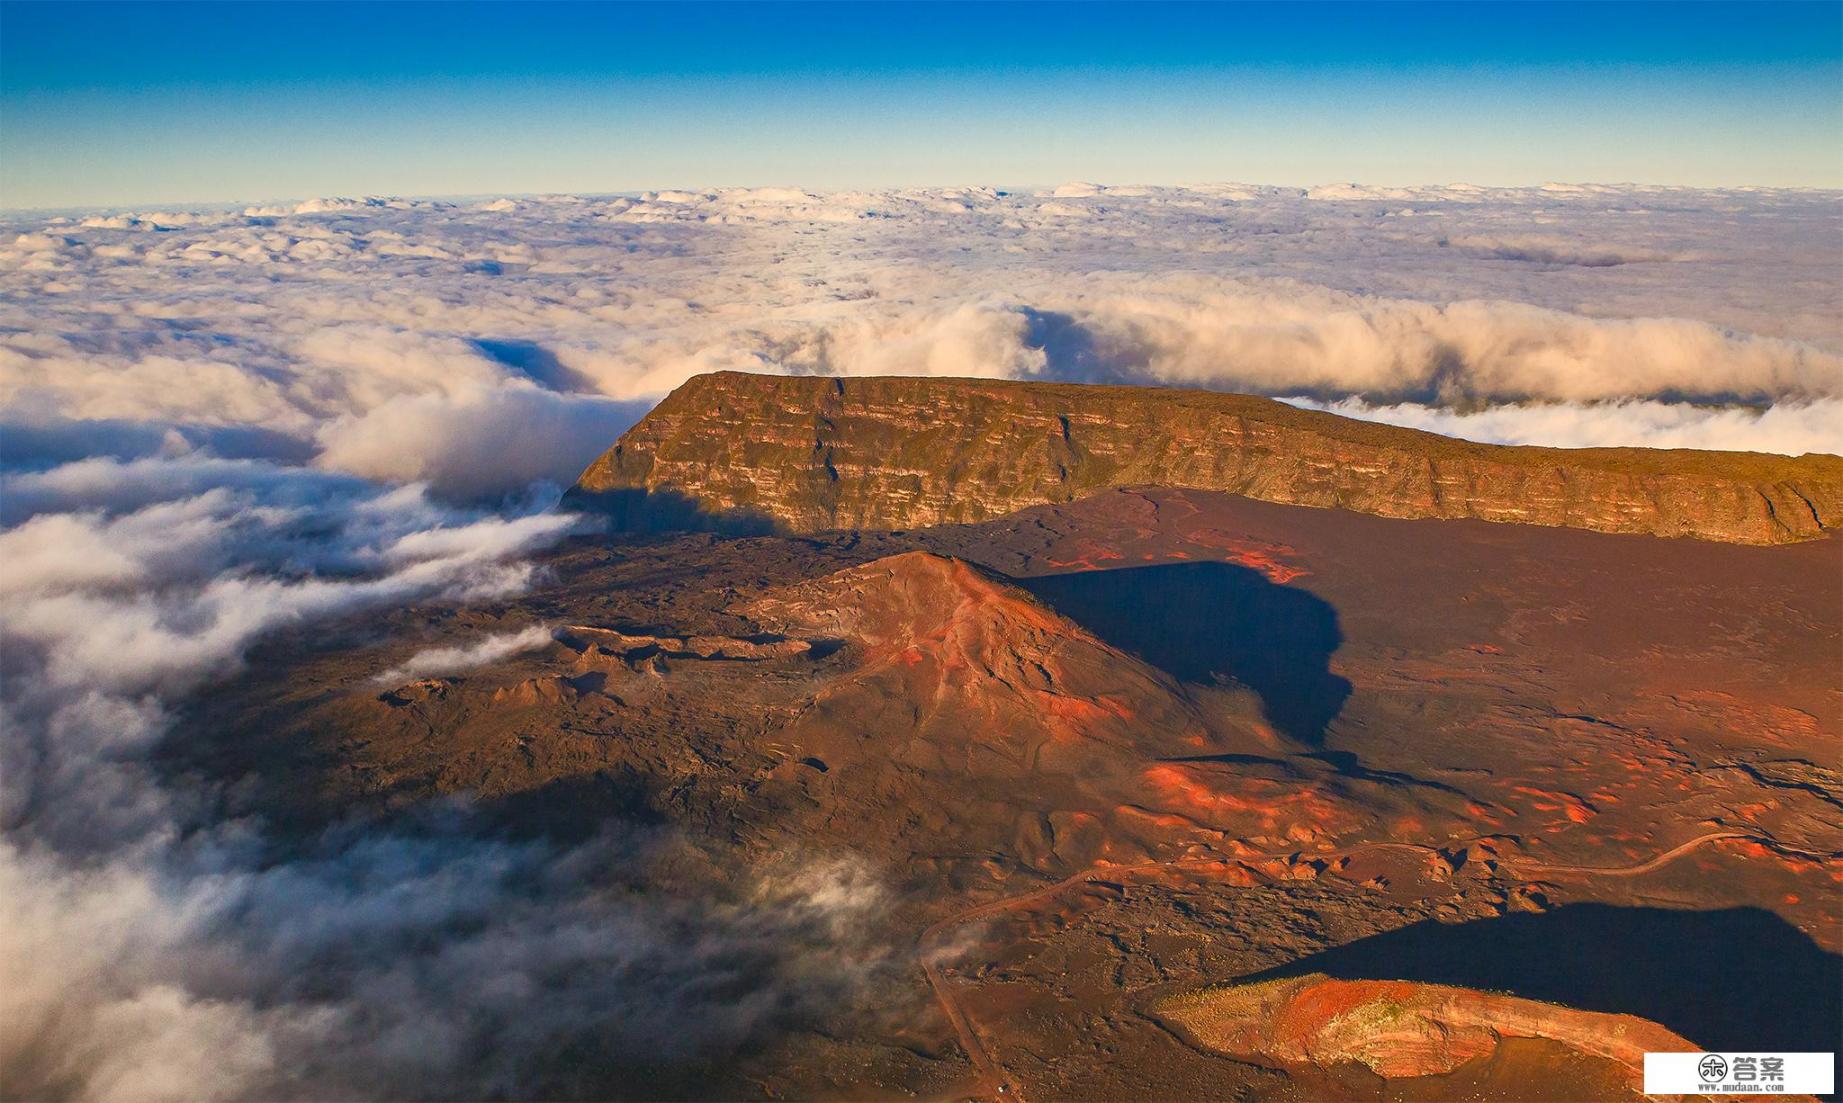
806, 454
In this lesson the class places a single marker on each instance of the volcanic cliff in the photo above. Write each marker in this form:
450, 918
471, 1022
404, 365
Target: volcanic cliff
806, 454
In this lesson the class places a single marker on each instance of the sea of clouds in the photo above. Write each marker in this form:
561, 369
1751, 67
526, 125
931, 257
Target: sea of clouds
478, 347
215, 424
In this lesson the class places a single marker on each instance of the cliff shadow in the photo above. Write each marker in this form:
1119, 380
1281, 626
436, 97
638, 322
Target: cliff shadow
1202, 621
1734, 979
539, 364
1070, 352
638, 510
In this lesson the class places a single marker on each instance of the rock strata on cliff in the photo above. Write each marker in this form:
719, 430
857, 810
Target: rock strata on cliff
810, 454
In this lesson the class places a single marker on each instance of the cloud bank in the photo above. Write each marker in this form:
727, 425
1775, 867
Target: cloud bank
481, 346
215, 425
1791, 429
154, 952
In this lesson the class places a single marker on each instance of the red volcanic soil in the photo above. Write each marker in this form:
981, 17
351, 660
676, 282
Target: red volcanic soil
965, 692
956, 666
1427, 1041
1594, 697
1150, 742
968, 696
1403, 1029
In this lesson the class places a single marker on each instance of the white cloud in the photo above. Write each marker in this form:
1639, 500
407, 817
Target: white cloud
1788, 429
437, 661
486, 443
1327, 343
330, 322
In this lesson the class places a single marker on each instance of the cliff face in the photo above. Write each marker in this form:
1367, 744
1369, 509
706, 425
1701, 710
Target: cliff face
808, 454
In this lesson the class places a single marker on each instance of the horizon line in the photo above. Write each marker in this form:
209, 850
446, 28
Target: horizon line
359, 195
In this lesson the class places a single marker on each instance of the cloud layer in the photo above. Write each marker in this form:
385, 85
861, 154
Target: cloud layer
1792, 429
484, 345
217, 424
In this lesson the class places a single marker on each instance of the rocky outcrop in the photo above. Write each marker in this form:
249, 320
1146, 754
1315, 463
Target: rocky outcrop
810, 454
593, 641
1399, 1029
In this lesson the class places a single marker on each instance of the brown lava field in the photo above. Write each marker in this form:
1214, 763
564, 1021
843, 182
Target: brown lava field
1113, 755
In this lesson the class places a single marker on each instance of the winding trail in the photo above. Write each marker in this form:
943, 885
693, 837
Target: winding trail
996, 1083
1647, 866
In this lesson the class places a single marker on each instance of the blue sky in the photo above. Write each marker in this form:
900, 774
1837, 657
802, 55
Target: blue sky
144, 103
